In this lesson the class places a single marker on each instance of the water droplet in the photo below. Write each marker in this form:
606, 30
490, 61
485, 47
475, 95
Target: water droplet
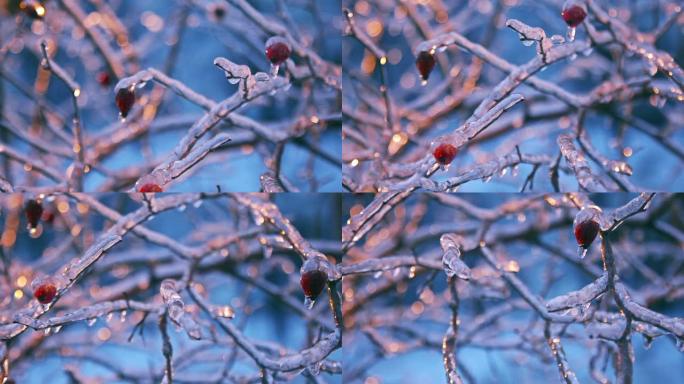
58, 328
423, 83
571, 33
503, 172
47, 331
182, 208
233, 80
487, 179
315, 368
274, 70
588, 51
528, 43
648, 342
582, 252
652, 68
150, 218
141, 84
309, 302
197, 204
109, 316
516, 170
92, 321
442, 48
573, 57
396, 272
123, 316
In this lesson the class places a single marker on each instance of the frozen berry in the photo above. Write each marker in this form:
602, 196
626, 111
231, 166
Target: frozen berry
425, 62
585, 232
573, 14
277, 50
125, 98
48, 216
104, 79
313, 278
150, 187
45, 293
33, 210
444, 153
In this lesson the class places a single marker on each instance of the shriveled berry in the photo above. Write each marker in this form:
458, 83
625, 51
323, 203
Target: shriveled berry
125, 98
573, 15
445, 153
313, 282
104, 79
34, 210
48, 216
45, 293
150, 187
425, 62
585, 232
277, 50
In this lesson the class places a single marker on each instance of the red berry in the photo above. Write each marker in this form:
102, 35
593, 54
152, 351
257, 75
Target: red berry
425, 62
104, 79
125, 98
33, 210
48, 216
150, 187
45, 293
277, 50
573, 15
313, 283
444, 153
585, 232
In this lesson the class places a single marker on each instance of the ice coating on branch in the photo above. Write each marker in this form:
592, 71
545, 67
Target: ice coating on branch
451, 257
176, 309
581, 296
234, 72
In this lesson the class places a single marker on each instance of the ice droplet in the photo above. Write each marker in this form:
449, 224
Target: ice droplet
487, 179
588, 51
648, 341
573, 57
571, 33
274, 70
582, 252
652, 68
109, 316
309, 302
197, 203
396, 272
680, 344
123, 316
150, 218
233, 80
503, 172
377, 274
528, 43
515, 171
47, 331
315, 368
92, 321
442, 48
423, 83
182, 208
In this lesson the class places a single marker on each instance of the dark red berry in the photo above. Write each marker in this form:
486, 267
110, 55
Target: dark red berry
150, 187
48, 216
585, 232
444, 153
277, 50
45, 293
104, 79
313, 282
125, 98
425, 62
33, 210
573, 15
